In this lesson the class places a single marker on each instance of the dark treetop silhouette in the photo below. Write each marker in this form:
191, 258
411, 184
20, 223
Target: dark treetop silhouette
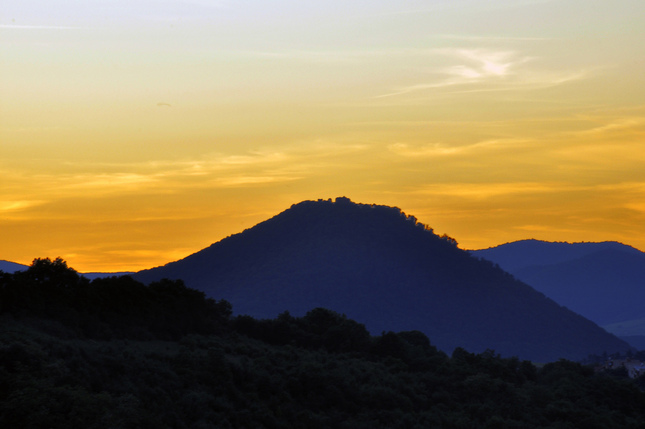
115, 353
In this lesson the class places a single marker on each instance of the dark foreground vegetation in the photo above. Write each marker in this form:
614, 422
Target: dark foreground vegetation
115, 353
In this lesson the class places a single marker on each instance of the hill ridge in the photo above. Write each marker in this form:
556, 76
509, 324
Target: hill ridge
388, 271
602, 281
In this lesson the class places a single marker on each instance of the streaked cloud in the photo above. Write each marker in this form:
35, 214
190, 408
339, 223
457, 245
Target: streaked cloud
481, 191
489, 38
239, 181
13, 206
635, 124
486, 63
476, 70
116, 181
471, 115
544, 229
631, 187
636, 206
40, 27
215, 170
253, 158
625, 191
470, 5
439, 149
474, 65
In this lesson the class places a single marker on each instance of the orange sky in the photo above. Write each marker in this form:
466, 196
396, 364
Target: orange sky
132, 135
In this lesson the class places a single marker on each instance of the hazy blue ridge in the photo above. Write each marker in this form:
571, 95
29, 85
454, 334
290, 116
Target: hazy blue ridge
11, 267
526, 253
604, 282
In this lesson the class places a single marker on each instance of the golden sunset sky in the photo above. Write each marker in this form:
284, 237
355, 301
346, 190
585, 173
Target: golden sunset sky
136, 132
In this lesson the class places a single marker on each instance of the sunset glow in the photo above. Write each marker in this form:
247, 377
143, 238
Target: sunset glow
136, 133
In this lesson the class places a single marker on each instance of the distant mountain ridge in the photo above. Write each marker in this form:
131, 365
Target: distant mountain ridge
522, 254
12, 267
386, 270
604, 282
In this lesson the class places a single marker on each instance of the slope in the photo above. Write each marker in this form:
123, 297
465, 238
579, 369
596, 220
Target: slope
384, 269
521, 254
11, 267
604, 282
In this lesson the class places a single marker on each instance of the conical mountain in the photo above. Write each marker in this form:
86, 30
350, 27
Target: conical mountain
384, 269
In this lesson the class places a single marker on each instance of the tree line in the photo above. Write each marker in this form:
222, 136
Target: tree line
114, 352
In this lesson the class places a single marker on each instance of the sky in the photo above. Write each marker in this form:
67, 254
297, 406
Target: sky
134, 133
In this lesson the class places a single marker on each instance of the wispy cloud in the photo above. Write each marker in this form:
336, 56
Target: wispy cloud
40, 27
476, 70
609, 144
636, 206
485, 63
475, 65
630, 124
18, 205
115, 181
473, 6
440, 149
216, 170
637, 188
487, 38
252, 158
543, 229
479, 191
552, 194
240, 181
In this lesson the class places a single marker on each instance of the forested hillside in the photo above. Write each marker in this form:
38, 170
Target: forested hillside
115, 353
386, 270
604, 282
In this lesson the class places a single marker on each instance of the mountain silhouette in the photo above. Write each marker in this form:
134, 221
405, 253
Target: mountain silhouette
386, 270
604, 282
11, 267
518, 255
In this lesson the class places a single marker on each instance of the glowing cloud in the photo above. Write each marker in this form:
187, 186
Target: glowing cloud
438, 149
489, 70
12, 206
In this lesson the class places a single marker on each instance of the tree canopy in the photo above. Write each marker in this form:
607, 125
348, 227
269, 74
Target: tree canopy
116, 353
